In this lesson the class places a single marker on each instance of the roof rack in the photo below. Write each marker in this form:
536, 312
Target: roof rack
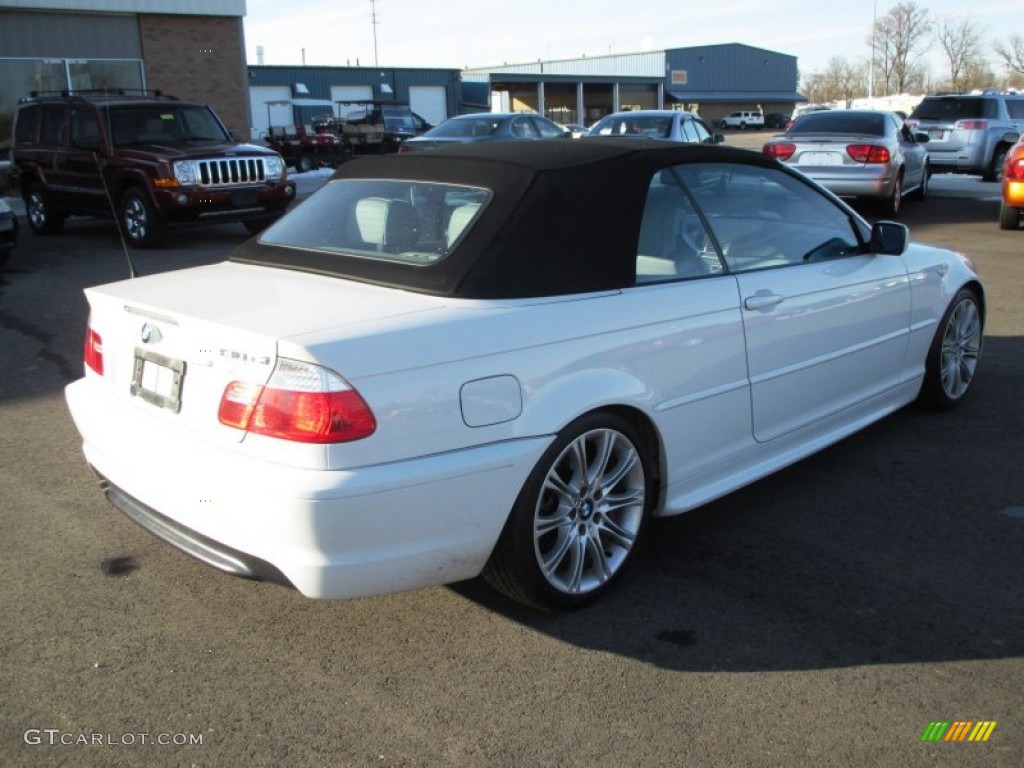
70, 93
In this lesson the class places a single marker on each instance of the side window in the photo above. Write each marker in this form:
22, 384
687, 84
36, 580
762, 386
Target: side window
703, 134
689, 131
547, 130
26, 130
522, 128
84, 128
53, 129
1016, 108
673, 242
764, 217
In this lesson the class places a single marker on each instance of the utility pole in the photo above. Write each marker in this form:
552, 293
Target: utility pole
373, 23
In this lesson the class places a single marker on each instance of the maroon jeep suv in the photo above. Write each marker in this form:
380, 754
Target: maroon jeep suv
149, 160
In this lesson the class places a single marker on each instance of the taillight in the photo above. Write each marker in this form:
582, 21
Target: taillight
779, 151
868, 153
302, 402
93, 352
971, 125
1014, 170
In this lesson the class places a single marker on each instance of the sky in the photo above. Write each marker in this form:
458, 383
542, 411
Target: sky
480, 33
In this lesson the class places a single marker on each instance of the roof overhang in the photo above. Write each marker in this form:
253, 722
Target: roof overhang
735, 97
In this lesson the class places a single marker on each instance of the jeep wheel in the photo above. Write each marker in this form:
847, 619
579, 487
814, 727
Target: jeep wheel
142, 228
41, 216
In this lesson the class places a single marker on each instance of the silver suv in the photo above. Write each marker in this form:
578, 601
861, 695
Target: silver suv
969, 133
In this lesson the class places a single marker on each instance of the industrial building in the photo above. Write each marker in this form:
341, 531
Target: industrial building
195, 49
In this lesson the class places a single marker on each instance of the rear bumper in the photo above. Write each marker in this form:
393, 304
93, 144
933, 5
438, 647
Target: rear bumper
329, 534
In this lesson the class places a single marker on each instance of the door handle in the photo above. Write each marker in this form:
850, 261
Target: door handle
763, 300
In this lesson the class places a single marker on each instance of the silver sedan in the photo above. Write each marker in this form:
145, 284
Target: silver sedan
665, 124
858, 154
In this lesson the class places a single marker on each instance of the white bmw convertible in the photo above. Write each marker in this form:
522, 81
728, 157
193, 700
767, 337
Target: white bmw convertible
507, 359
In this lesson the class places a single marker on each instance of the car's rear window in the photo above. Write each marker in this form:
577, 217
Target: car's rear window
411, 222
953, 109
838, 122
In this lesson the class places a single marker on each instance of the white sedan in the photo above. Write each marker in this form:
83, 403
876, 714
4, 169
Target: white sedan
505, 360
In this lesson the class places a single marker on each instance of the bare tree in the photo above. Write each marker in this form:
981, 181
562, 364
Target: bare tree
1012, 53
843, 81
961, 41
899, 41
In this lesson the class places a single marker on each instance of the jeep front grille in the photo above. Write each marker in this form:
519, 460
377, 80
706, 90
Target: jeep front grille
225, 172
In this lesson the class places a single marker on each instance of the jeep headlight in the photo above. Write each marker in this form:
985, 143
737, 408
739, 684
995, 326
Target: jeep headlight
186, 172
274, 166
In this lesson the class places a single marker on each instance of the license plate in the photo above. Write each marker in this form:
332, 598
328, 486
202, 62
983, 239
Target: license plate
820, 158
245, 198
936, 134
157, 379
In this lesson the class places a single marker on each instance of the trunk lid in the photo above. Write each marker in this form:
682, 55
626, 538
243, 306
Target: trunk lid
171, 343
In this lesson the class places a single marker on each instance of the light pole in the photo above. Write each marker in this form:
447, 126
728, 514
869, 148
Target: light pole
871, 63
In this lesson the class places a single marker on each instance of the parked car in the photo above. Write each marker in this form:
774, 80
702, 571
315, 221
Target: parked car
668, 125
1011, 208
857, 153
8, 231
743, 119
506, 358
776, 120
970, 133
150, 160
486, 126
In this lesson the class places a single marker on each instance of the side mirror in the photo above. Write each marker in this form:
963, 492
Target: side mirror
718, 138
890, 238
921, 137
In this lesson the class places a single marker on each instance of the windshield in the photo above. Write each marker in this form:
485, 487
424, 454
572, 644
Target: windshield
413, 222
398, 120
165, 123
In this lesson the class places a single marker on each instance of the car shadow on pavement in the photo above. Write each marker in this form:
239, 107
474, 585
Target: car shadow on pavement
900, 544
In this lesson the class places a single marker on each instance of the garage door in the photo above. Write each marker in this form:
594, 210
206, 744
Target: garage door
259, 95
429, 102
349, 93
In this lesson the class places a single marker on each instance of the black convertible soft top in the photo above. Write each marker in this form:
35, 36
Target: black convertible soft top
564, 216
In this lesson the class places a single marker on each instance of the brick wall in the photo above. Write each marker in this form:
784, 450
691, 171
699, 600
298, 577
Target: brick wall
199, 58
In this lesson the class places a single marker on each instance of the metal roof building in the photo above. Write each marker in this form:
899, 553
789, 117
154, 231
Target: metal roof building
713, 79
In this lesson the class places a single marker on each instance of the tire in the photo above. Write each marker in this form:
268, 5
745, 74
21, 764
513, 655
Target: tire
954, 353
743, 126
578, 518
995, 168
922, 191
41, 216
1009, 217
891, 204
305, 163
141, 226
